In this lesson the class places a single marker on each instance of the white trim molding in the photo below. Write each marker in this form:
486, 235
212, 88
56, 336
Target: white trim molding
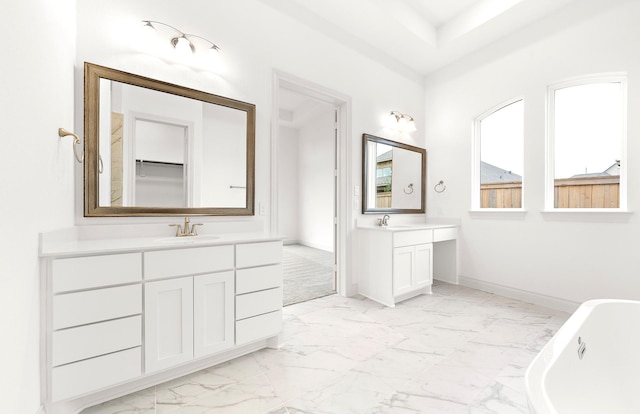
476, 156
344, 154
523, 295
617, 77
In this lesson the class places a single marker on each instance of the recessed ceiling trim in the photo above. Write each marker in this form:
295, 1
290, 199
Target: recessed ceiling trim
473, 18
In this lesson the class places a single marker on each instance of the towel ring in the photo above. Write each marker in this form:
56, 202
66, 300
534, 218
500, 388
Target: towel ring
76, 141
64, 133
440, 187
410, 188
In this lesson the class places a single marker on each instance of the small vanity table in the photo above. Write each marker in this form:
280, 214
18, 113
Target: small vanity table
398, 262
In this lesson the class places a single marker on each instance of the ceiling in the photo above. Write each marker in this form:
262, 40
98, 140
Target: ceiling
417, 37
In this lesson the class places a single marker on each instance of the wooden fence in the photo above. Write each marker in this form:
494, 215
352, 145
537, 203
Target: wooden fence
383, 200
581, 192
501, 195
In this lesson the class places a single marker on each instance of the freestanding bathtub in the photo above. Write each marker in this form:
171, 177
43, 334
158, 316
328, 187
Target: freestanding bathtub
592, 364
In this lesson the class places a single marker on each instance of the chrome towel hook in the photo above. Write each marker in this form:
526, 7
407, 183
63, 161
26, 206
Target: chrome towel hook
409, 189
64, 133
440, 187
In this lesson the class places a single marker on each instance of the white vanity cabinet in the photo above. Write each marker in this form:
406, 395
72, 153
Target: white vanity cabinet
412, 269
187, 316
116, 319
396, 263
258, 291
94, 313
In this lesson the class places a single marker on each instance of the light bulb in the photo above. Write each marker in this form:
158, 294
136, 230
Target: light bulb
183, 46
403, 124
212, 56
148, 30
148, 37
392, 121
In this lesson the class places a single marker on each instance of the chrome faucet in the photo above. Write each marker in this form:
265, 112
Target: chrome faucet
183, 231
384, 221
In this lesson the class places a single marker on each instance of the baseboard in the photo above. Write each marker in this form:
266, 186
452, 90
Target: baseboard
523, 295
315, 246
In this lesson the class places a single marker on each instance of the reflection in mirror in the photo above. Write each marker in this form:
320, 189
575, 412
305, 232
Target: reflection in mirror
166, 150
393, 176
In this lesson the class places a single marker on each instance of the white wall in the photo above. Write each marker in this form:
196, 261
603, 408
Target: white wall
316, 185
224, 157
255, 39
288, 183
571, 258
37, 176
406, 170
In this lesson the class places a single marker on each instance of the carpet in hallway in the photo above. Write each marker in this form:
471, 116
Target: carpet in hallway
308, 273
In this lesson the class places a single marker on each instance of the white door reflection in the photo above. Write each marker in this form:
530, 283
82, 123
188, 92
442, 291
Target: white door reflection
161, 156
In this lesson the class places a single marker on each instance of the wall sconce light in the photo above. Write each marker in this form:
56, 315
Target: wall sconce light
402, 122
185, 45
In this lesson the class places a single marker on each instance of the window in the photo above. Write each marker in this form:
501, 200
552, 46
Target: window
498, 157
585, 165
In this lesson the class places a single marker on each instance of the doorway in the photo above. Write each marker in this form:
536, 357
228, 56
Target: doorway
310, 160
306, 153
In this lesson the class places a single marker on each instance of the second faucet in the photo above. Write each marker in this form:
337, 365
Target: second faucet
183, 231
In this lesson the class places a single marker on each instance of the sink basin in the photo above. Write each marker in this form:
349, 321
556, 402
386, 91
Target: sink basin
187, 239
404, 226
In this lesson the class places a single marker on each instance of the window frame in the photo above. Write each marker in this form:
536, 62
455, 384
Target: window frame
476, 153
549, 194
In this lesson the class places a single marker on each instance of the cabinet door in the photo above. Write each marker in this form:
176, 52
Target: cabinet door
403, 263
213, 313
422, 271
168, 323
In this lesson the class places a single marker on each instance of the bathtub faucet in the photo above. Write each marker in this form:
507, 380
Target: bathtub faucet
582, 347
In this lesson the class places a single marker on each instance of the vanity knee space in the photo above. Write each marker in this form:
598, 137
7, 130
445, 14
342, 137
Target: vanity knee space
396, 263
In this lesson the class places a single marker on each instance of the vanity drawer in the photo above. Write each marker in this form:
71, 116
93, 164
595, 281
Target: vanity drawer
258, 254
80, 308
95, 271
252, 304
74, 344
91, 374
258, 327
410, 238
450, 233
183, 262
258, 278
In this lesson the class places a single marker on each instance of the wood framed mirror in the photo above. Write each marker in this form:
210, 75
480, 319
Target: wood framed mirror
393, 177
154, 148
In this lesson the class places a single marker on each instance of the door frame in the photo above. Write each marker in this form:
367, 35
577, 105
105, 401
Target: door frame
343, 154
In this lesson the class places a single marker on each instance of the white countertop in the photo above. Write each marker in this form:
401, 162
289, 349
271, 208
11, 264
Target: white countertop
71, 246
408, 227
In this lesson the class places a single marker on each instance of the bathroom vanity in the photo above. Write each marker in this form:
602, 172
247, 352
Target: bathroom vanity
119, 315
397, 262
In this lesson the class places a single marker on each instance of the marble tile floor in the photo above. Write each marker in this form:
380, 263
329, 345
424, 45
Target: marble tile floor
458, 350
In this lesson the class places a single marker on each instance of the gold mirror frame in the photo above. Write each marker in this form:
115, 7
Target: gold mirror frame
368, 171
92, 75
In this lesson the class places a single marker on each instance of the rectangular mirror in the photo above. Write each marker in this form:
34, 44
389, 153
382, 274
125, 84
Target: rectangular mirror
154, 148
393, 176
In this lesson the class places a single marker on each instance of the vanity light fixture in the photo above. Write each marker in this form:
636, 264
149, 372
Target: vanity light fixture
184, 44
402, 122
